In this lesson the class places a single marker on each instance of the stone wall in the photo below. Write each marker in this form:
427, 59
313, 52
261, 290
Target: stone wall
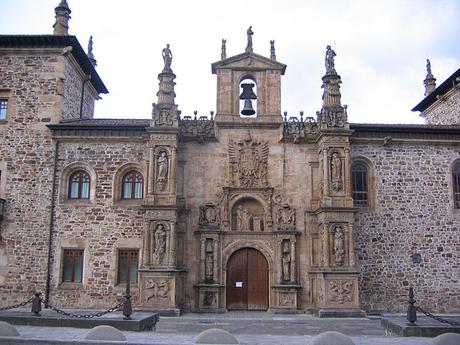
27, 152
101, 226
413, 213
444, 111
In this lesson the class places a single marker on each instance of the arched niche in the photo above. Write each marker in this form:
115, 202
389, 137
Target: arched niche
248, 214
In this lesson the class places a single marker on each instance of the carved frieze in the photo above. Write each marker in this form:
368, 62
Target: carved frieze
286, 299
157, 289
209, 299
200, 129
248, 162
164, 115
340, 291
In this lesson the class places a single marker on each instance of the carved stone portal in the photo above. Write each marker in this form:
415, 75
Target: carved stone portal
248, 162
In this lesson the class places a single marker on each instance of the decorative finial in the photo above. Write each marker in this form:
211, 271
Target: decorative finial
167, 57
329, 61
61, 26
272, 50
430, 80
90, 52
223, 54
249, 45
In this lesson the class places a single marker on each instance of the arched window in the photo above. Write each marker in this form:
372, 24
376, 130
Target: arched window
79, 185
456, 184
133, 185
359, 184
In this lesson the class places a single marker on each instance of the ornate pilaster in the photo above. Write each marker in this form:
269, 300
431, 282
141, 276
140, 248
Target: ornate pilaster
61, 26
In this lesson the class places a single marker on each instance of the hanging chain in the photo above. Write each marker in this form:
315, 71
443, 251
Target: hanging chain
16, 305
437, 318
81, 316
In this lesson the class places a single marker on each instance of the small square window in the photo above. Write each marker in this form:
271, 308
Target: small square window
73, 266
3, 108
128, 261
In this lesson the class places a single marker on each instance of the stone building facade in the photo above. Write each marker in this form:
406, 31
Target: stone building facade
220, 212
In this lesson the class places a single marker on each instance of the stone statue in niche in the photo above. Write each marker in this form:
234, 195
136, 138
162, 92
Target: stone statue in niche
336, 172
159, 289
162, 170
286, 262
209, 262
159, 237
339, 246
243, 218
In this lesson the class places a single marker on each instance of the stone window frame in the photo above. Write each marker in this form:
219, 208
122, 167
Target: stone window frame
135, 175
124, 244
75, 252
371, 185
5, 95
64, 185
83, 178
71, 243
117, 186
454, 179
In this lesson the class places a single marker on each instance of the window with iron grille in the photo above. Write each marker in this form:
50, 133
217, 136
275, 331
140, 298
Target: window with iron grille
3, 108
73, 266
359, 184
456, 184
79, 183
133, 185
128, 260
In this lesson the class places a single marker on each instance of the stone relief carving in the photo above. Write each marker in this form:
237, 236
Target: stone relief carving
159, 289
209, 299
285, 215
286, 261
221, 199
243, 218
162, 170
209, 215
248, 162
286, 299
164, 115
339, 246
336, 172
197, 129
158, 243
209, 261
340, 291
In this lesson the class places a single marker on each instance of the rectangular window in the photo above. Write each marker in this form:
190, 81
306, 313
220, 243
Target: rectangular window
73, 266
127, 265
3, 108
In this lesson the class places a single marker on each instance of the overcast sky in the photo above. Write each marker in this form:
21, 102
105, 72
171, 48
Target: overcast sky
381, 47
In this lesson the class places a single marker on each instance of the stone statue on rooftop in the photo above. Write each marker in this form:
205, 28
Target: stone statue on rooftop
223, 54
249, 46
329, 60
428, 67
272, 50
167, 57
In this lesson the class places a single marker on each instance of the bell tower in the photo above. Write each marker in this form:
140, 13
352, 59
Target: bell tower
248, 86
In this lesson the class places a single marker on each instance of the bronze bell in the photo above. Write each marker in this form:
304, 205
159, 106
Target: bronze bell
247, 95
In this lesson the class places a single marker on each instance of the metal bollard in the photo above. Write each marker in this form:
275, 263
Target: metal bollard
127, 307
36, 304
411, 310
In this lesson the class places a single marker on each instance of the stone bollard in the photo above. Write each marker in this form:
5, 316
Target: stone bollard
447, 339
215, 336
331, 338
105, 332
36, 304
6, 330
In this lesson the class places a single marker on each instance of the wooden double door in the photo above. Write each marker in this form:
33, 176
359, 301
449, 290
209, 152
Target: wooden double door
247, 280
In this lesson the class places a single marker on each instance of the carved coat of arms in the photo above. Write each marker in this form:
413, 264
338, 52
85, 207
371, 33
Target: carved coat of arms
248, 162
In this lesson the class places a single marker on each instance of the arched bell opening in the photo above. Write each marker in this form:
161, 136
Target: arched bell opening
248, 97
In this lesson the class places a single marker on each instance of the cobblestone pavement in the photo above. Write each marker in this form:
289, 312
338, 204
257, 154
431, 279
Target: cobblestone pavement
251, 328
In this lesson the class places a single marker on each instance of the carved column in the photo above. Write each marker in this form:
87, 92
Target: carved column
347, 172
351, 246
151, 174
146, 246
172, 177
325, 171
172, 244
280, 259
215, 249
325, 240
293, 259
203, 258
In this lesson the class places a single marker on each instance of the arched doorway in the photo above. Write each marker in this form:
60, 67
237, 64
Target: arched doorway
247, 280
